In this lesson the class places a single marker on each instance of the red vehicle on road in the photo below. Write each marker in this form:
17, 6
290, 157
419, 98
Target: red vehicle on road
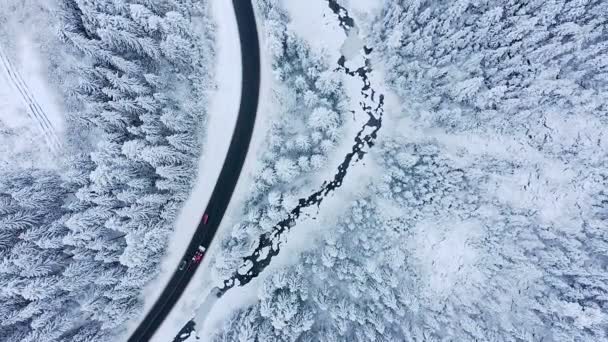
205, 218
198, 256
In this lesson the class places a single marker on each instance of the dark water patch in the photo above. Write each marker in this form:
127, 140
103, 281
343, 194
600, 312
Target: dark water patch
185, 332
346, 22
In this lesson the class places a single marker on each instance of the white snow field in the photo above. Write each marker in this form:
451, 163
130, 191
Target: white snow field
26, 38
28, 104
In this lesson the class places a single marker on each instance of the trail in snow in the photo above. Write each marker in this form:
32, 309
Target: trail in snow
270, 243
35, 111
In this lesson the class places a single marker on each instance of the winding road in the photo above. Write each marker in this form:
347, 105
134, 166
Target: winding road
228, 178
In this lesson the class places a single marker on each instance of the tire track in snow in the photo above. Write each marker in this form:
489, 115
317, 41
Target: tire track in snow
39, 115
35, 111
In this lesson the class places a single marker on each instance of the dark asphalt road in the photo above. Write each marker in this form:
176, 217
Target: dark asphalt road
229, 175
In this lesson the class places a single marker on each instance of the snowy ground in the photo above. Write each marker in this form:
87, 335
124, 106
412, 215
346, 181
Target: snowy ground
27, 34
363, 11
30, 109
316, 23
30, 62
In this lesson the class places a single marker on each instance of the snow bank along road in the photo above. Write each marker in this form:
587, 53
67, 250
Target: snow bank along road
36, 113
222, 192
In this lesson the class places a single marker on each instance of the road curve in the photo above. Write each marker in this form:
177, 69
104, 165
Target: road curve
229, 175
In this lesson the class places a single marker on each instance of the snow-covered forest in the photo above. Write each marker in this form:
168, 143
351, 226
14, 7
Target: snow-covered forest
476, 211
487, 221
81, 236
